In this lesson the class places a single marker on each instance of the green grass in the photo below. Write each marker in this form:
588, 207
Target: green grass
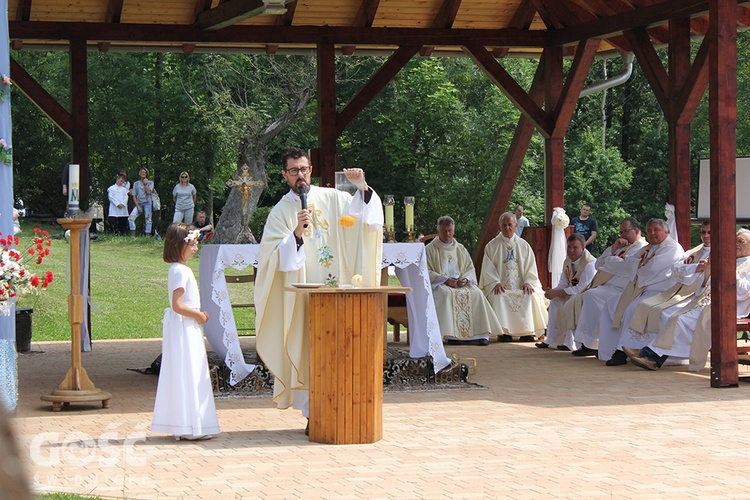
128, 287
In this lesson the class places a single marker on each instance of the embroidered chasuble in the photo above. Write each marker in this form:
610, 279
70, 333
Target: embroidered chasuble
331, 254
647, 316
612, 270
701, 328
512, 263
574, 279
652, 276
463, 312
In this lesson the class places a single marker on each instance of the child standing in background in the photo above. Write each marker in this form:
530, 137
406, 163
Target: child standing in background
184, 405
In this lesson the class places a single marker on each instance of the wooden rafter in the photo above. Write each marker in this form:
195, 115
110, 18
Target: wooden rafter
652, 66
23, 10
694, 87
150, 33
365, 17
573, 85
114, 11
373, 87
521, 19
444, 19
646, 17
43, 100
230, 12
510, 88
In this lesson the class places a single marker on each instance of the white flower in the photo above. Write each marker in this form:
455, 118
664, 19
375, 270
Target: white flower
559, 218
192, 235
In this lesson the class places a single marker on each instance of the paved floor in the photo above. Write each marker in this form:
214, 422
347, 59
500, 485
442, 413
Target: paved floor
549, 425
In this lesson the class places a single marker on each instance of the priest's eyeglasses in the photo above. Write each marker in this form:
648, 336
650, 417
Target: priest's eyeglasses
296, 171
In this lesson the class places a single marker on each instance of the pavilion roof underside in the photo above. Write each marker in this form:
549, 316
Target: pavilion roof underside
441, 27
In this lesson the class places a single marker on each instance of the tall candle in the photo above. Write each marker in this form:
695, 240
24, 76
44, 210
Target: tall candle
409, 212
74, 189
389, 216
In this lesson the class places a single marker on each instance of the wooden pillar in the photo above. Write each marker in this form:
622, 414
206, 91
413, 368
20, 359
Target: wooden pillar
326, 114
553, 146
79, 98
722, 106
679, 133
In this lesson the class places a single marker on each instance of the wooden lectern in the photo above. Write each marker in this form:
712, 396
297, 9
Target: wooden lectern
76, 387
346, 363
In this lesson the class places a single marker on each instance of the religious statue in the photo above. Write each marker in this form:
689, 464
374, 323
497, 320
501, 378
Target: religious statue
244, 182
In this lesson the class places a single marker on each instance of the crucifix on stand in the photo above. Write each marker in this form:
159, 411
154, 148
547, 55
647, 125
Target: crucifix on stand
244, 182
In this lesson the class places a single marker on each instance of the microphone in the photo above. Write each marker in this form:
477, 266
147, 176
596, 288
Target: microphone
302, 190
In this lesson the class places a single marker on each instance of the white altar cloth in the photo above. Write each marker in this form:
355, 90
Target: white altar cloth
410, 264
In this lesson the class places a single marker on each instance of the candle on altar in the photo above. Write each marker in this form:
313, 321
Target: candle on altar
389, 202
409, 212
74, 189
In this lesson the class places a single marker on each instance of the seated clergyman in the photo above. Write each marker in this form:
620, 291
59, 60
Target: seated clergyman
463, 312
685, 331
510, 282
578, 271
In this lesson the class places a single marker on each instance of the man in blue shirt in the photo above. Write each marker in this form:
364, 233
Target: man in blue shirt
585, 225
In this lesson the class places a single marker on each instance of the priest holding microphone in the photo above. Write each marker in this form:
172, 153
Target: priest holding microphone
312, 235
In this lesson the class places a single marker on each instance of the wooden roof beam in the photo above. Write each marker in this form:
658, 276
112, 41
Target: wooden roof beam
365, 17
645, 17
149, 33
114, 11
444, 19
652, 66
373, 87
43, 100
23, 10
484, 59
576, 77
695, 86
230, 12
522, 18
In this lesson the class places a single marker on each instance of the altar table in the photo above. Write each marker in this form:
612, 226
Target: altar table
410, 265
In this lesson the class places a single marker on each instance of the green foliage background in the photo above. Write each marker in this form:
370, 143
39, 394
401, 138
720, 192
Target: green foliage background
439, 131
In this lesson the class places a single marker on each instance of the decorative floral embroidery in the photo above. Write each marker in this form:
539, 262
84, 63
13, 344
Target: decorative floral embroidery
325, 257
331, 281
318, 222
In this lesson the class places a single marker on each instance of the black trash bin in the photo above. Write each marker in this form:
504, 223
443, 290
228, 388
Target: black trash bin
23, 329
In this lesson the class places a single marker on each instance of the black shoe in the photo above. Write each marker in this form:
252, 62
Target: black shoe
542, 345
482, 342
452, 341
585, 351
618, 358
506, 338
307, 428
563, 348
527, 338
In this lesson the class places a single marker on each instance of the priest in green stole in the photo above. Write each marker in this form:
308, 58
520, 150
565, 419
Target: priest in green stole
335, 238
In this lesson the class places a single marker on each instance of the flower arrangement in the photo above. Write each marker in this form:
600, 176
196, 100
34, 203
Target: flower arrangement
559, 218
15, 278
6, 153
5, 83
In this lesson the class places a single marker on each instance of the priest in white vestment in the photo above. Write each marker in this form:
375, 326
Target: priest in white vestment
647, 317
651, 276
578, 271
613, 273
686, 328
463, 312
510, 282
335, 238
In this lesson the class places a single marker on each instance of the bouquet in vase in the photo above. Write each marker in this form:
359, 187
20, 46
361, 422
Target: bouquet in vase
15, 277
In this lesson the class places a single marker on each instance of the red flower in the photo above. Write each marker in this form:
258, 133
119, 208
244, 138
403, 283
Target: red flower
34, 281
31, 251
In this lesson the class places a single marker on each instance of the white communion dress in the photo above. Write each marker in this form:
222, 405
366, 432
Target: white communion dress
184, 403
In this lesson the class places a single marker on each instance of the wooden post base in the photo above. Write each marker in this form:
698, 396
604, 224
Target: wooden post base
61, 397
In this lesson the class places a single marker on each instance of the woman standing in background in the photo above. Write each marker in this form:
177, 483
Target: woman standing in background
184, 195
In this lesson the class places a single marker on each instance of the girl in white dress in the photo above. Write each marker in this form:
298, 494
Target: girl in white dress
184, 405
